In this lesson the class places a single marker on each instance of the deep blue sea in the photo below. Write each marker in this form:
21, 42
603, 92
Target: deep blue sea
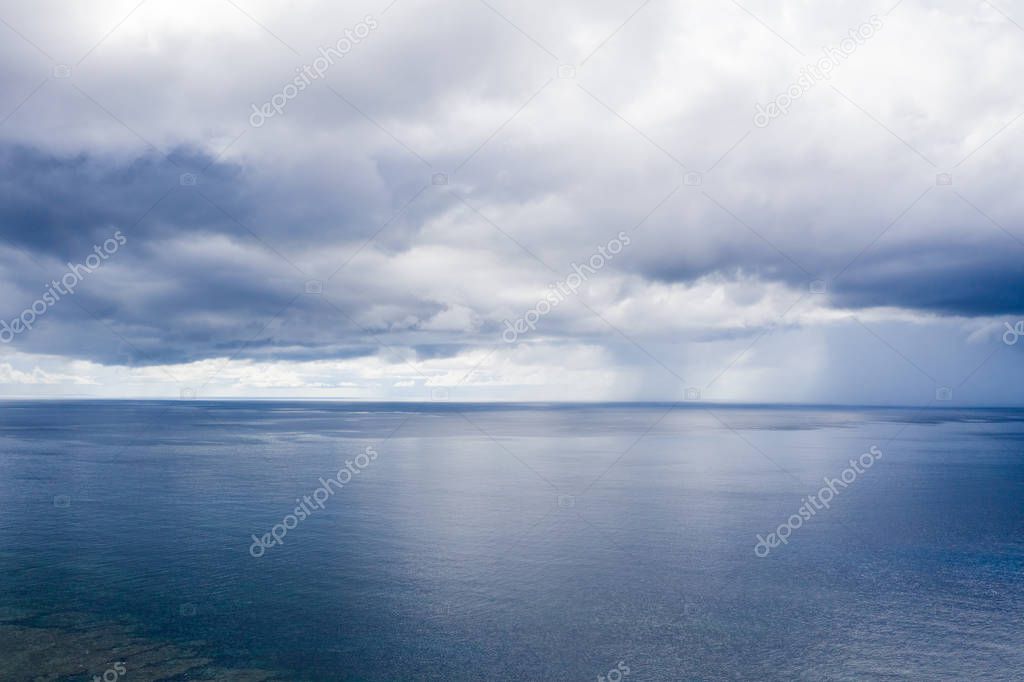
508, 542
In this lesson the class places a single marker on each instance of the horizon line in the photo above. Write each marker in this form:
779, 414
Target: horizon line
568, 403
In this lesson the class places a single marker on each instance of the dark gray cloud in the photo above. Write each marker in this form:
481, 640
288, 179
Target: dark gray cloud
220, 268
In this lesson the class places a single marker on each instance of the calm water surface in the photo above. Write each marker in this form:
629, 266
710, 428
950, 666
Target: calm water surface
508, 543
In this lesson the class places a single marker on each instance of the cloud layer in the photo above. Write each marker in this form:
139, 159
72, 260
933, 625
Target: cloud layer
454, 165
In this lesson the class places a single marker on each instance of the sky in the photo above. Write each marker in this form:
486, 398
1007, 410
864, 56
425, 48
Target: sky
756, 201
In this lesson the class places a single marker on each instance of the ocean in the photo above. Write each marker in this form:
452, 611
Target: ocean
152, 540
